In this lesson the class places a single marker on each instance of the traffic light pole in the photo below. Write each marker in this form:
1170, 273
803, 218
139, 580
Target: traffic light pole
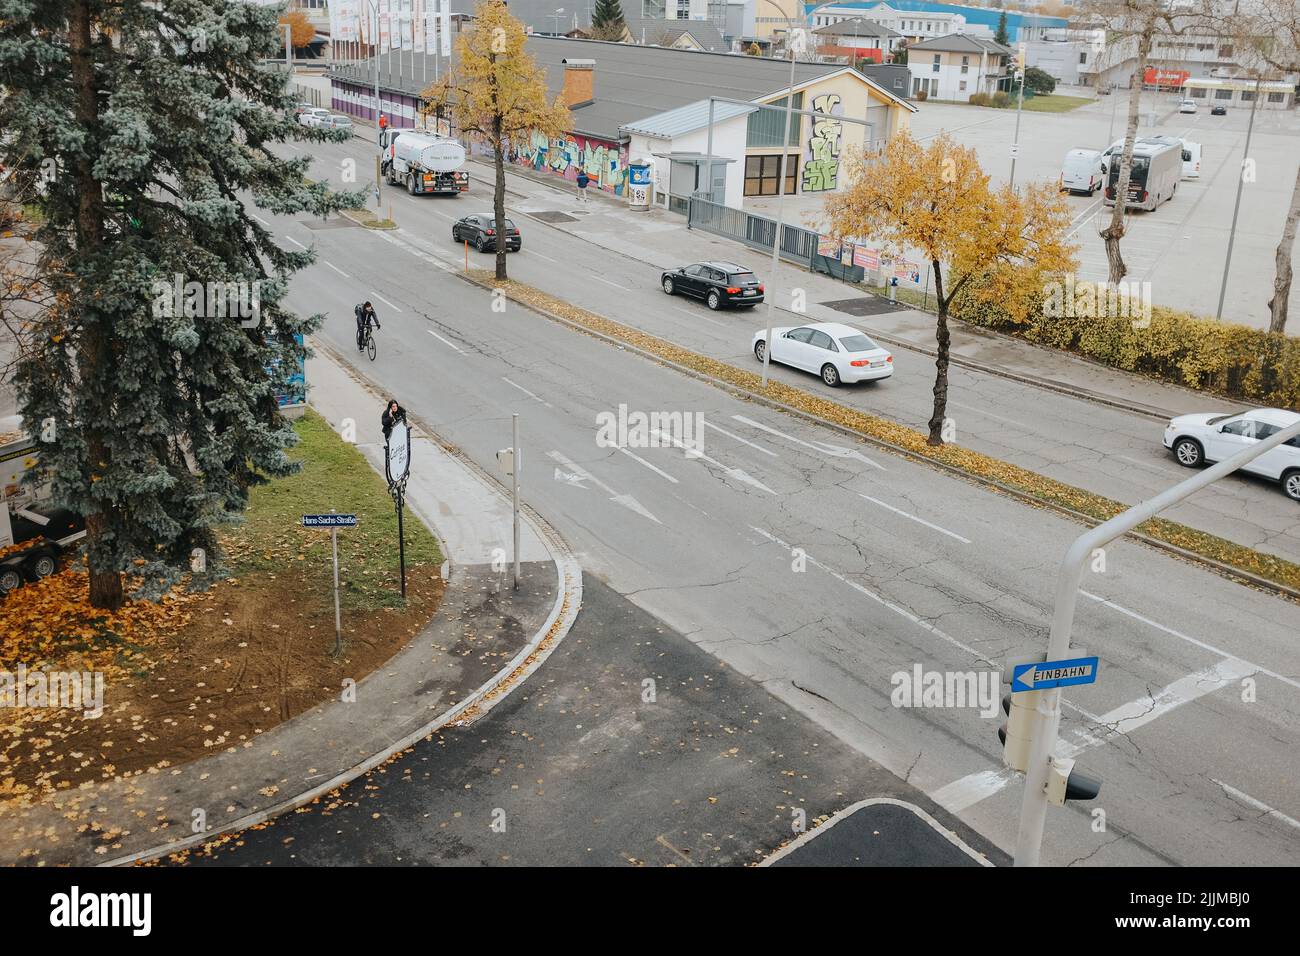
1033, 811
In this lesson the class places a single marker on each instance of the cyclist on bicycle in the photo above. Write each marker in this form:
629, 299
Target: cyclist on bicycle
365, 314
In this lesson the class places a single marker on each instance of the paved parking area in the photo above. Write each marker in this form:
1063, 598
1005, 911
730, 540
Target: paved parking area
1181, 247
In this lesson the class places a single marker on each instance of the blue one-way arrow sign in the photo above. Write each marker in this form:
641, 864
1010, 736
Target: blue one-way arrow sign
1048, 674
329, 521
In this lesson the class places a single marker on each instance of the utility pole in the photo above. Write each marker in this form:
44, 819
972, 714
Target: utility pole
1020, 102
780, 203
1236, 206
514, 488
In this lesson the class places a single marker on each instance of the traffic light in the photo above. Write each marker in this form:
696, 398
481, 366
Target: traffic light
1064, 783
1016, 733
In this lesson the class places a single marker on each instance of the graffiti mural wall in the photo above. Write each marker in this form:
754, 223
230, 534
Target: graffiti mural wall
821, 168
605, 162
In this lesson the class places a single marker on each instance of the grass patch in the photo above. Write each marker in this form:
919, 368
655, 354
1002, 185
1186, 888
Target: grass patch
1055, 103
334, 475
912, 442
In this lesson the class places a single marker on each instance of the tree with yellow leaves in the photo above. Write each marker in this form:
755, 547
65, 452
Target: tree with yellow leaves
301, 31
997, 246
497, 93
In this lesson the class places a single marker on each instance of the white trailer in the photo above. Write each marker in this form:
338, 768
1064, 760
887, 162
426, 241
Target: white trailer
423, 162
33, 533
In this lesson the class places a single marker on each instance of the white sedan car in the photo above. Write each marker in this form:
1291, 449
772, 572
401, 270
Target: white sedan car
836, 352
1187, 106
313, 117
1197, 439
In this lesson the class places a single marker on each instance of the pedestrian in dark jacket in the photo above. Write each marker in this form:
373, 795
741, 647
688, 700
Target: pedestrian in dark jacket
393, 413
583, 180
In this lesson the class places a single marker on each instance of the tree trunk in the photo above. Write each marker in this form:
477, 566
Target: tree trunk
942, 338
499, 198
1113, 233
1277, 306
94, 354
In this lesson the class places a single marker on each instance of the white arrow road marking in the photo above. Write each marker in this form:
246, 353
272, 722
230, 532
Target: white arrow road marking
743, 441
637, 458
1124, 719
738, 473
833, 450
452, 345
627, 501
935, 527
575, 480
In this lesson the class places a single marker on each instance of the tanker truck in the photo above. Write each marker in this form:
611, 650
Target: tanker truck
423, 162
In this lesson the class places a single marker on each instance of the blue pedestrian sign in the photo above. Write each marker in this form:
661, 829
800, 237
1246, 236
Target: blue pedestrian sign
1045, 675
329, 521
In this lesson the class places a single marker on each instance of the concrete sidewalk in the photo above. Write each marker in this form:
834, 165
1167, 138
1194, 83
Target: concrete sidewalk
438, 676
661, 239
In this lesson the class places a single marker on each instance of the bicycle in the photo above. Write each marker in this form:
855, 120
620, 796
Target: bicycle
371, 349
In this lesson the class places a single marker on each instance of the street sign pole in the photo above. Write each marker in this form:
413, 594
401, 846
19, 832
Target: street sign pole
514, 487
401, 542
338, 617
397, 468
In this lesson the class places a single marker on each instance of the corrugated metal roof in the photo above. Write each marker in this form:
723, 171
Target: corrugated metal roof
685, 119
983, 16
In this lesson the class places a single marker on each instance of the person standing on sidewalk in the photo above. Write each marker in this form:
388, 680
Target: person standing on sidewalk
383, 122
583, 179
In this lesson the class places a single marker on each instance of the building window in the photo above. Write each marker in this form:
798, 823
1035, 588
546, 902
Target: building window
765, 126
1277, 97
1198, 93
961, 85
652, 9
1223, 94
1225, 51
965, 61
1247, 96
1083, 57
934, 67
763, 173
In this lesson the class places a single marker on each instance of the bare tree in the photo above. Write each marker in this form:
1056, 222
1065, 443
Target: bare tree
1130, 25
1266, 36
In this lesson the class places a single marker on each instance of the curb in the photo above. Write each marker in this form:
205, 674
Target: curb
564, 611
810, 835
1226, 570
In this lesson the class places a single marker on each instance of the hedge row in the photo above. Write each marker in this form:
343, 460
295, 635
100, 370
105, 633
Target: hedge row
1231, 359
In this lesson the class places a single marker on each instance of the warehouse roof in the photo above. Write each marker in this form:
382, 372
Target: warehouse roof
631, 81
685, 119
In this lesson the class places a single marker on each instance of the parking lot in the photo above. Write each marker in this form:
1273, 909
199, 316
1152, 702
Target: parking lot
1179, 248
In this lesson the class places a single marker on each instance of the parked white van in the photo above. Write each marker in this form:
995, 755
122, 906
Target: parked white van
1082, 171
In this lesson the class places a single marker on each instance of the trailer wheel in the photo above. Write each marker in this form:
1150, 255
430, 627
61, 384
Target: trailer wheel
10, 579
42, 566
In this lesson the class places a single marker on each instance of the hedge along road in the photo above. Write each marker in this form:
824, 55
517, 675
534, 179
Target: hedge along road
900, 566
1101, 449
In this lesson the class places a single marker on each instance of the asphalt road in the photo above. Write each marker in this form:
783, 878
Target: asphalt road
1099, 448
897, 566
628, 747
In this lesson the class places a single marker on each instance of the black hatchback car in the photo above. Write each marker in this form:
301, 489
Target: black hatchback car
1218, 110
481, 233
717, 283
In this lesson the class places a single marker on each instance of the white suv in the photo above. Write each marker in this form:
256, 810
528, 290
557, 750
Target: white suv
1197, 439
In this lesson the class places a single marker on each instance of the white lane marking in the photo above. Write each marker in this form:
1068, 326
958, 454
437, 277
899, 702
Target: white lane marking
833, 450
336, 269
738, 473
637, 458
614, 284
452, 345
880, 600
260, 219
534, 252
627, 501
386, 302
980, 411
743, 441
972, 788
898, 511
1257, 804
1144, 464
1190, 640
536, 398
295, 242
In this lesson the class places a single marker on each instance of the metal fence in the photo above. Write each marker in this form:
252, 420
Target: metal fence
797, 244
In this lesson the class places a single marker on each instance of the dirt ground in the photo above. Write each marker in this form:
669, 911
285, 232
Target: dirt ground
254, 652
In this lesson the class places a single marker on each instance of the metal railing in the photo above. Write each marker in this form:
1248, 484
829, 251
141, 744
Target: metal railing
798, 245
